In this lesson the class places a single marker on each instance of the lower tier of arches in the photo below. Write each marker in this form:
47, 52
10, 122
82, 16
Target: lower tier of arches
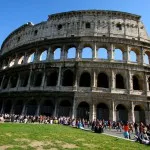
77, 107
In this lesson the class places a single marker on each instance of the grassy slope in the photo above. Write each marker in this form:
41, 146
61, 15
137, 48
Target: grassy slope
28, 136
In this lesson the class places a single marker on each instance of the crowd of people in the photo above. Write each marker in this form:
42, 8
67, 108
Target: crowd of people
141, 131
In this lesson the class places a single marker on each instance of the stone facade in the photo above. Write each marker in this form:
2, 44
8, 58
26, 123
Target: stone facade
38, 75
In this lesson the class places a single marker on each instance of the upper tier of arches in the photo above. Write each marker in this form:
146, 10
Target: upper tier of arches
86, 51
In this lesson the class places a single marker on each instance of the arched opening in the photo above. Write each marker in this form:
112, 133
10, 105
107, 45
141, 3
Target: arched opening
119, 82
121, 113
102, 80
118, 54
31, 108
24, 79
43, 55
67, 78
102, 112
18, 107
136, 85
30, 58
57, 53
13, 81
5, 82
133, 56
85, 80
7, 107
102, 53
47, 108
83, 110
64, 108
139, 114
12, 63
21, 60
87, 52
71, 52
38, 79
52, 79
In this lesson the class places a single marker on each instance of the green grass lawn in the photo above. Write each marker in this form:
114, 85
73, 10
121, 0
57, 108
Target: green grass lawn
55, 137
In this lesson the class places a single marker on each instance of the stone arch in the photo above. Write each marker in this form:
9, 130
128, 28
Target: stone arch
83, 110
68, 77
102, 53
13, 81
31, 107
21, 60
18, 107
71, 53
64, 108
119, 82
118, 54
57, 53
85, 80
102, 111
139, 114
38, 79
121, 113
134, 52
31, 58
52, 79
43, 55
47, 108
147, 57
87, 52
12, 63
7, 106
102, 80
136, 82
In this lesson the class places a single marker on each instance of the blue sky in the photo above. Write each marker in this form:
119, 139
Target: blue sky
14, 13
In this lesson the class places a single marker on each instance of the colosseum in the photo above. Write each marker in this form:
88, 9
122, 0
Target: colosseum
86, 64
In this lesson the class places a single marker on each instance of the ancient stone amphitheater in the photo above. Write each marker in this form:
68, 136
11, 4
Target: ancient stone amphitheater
88, 64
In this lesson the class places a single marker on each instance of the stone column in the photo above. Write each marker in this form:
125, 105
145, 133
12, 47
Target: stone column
113, 79
112, 112
2, 109
49, 56
16, 60
38, 110
59, 78
36, 56
12, 109
78, 53
2, 82
130, 82
140, 56
94, 52
75, 86
74, 109
55, 109
62, 57
131, 117
43, 79
18, 82
23, 110
111, 53
29, 80
94, 81
147, 84
127, 55
92, 115
25, 60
